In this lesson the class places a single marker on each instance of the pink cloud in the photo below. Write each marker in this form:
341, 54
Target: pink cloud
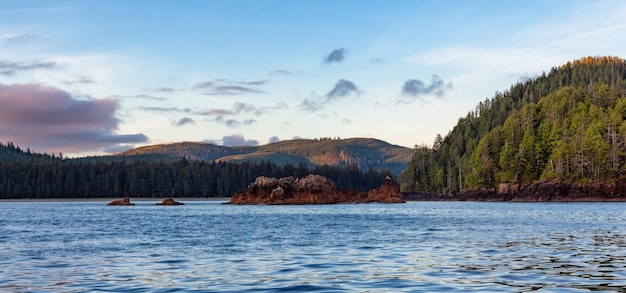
48, 119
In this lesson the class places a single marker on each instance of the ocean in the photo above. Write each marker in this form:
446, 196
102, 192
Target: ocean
205, 246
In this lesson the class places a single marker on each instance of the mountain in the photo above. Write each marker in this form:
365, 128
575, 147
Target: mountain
363, 152
565, 126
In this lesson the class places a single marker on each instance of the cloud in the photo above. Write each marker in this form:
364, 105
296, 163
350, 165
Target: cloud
310, 105
47, 119
346, 122
9, 68
81, 80
342, 88
281, 72
203, 85
183, 121
238, 140
336, 56
416, 88
165, 109
273, 139
161, 90
18, 39
229, 87
116, 149
377, 61
263, 110
236, 123
238, 108
506, 60
147, 97
234, 140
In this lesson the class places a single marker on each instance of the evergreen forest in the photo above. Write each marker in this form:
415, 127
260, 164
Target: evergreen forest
568, 125
29, 175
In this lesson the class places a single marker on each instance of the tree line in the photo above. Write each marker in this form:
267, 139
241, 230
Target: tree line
568, 125
185, 178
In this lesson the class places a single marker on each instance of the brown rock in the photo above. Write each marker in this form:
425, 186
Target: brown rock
540, 191
313, 189
121, 202
169, 202
389, 192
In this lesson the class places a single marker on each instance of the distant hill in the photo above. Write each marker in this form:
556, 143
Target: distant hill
363, 152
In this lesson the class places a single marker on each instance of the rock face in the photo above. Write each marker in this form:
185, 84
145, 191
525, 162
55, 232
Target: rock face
169, 202
313, 189
121, 202
541, 191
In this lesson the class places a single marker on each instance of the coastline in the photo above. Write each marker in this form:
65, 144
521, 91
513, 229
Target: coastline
106, 200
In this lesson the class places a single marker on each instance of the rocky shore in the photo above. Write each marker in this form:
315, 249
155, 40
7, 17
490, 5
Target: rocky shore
542, 191
313, 189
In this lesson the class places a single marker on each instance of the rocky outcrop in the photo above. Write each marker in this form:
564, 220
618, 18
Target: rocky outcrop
169, 202
313, 189
541, 191
121, 202
389, 192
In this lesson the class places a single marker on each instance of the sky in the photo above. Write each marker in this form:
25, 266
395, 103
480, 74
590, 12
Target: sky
100, 77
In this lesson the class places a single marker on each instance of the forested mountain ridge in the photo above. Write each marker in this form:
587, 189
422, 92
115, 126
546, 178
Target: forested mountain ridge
568, 125
190, 150
362, 152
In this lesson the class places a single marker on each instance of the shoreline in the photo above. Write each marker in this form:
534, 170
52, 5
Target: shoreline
105, 200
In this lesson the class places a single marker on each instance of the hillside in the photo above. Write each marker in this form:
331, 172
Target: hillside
566, 126
362, 152
190, 150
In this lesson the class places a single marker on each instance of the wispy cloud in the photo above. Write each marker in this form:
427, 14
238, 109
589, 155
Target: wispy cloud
161, 90
233, 123
47, 119
237, 108
141, 96
10, 68
227, 87
81, 80
336, 56
377, 61
506, 60
183, 121
18, 38
263, 110
281, 72
311, 105
165, 109
342, 88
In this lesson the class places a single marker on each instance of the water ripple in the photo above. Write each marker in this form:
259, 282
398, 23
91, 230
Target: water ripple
417, 247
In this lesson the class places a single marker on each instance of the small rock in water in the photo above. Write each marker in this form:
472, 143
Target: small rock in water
121, 202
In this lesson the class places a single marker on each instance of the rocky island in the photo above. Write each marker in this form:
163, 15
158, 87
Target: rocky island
121, 202
312, 189
169, 202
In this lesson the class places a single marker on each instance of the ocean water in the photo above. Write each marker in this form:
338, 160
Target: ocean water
204, 246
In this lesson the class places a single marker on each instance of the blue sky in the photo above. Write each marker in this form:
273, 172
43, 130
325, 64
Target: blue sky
95, 77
